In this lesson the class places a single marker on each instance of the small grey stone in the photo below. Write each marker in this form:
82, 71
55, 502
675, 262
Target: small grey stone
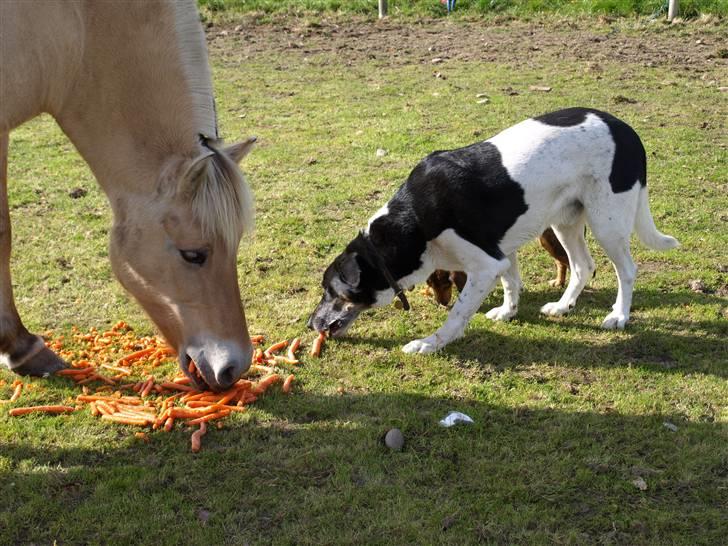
697, 285
394, 439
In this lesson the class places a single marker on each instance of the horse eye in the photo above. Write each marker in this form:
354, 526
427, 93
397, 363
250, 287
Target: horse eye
196, 257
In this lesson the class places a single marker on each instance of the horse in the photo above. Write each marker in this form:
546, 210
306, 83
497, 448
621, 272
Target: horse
129, 83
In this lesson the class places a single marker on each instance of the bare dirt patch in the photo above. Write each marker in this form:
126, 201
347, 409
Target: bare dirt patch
694, 47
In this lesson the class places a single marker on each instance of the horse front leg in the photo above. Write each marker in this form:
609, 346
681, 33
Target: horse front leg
21, 351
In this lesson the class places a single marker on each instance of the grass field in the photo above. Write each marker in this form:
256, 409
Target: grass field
567, 416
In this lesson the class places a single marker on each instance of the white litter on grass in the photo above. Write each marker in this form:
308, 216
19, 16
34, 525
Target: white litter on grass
455, 417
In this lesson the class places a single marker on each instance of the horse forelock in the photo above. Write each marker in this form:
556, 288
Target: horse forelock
222, 202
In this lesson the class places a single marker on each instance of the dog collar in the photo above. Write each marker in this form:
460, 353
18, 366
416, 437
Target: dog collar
379, 263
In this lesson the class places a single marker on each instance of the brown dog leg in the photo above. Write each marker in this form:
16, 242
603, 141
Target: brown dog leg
551, 243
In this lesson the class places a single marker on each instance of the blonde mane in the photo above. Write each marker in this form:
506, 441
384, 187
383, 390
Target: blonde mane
193, 55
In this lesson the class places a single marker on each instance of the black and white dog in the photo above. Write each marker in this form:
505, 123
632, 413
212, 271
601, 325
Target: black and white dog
470, 210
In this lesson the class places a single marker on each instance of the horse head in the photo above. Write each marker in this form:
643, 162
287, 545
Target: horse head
176, 252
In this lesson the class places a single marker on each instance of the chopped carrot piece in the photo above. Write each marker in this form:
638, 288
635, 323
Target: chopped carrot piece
293, 348
173, 385
43, 409
136, 355
17, 391
124, 420
275, 348
196, 438
318, 344
209, 417
287, 384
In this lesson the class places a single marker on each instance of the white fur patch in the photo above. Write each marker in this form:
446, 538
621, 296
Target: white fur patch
381, 212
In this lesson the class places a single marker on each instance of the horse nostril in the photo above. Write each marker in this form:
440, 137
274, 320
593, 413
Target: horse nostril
228, 375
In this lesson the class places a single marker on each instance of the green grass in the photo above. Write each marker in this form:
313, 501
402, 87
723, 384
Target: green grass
567, 415
520, 8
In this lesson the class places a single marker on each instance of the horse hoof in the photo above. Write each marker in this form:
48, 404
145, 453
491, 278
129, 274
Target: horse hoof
43, 363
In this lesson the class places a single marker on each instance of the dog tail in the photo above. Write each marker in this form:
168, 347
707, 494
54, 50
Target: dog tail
646, 229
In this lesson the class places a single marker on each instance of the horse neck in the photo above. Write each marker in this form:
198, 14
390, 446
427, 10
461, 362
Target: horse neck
143, 92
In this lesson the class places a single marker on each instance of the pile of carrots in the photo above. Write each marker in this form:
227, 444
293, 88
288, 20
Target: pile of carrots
119, 367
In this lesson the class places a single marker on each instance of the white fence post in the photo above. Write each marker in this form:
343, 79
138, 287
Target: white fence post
672, 9
382, 8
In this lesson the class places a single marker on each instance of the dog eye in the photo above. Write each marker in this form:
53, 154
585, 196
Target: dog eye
196, 257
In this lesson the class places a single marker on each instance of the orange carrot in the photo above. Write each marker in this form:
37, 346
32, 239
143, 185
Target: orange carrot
147, 388
43, 409
178, 386
124, 420
188, 413
16, 392
261, 386
123, 371
275, 348
283, 360
257, 339
169, 424
318, 344
104, 408
196, 438
209, 417
293, 348
287, 384
74, 371
136, 355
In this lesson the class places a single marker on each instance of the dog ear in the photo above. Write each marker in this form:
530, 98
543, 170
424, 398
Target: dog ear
349, 270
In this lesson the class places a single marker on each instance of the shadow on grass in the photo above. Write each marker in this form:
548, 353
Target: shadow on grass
309, 467
665, 345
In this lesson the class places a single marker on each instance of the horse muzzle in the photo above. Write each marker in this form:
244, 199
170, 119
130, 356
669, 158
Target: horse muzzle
217, 364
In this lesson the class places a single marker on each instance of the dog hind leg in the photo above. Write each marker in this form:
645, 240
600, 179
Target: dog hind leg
511, 281
613, 232
581, 264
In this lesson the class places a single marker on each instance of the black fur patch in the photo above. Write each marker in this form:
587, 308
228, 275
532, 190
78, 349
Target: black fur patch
569, 117
467, 190
629, 164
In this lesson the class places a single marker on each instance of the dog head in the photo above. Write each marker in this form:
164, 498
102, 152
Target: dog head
351, 285
440, 286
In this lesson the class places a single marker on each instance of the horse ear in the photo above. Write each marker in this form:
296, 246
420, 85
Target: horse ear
193, 175
239, 150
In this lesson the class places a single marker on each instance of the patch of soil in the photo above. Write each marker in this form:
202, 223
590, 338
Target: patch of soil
690, 46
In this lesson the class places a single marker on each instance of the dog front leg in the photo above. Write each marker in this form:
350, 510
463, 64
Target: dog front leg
477, 287
512, 285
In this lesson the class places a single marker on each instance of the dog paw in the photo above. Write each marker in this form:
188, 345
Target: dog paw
557, 283
502, 313
421, 346
555, 309
615, 321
